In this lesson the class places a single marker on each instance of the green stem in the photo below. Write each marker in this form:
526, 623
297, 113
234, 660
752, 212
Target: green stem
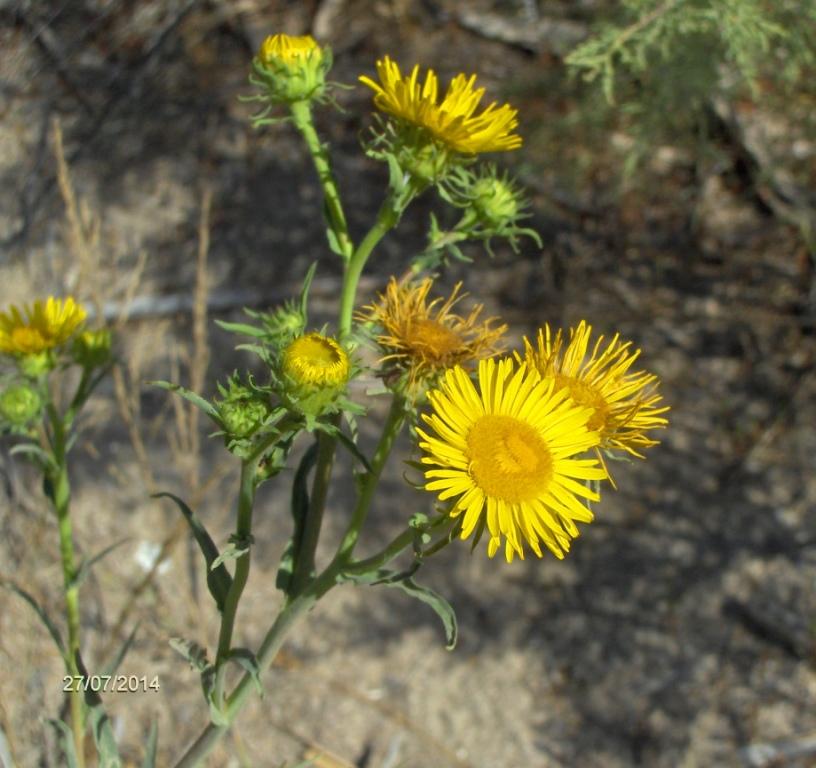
272, 642
391, 428
302, 116
305, 557
386, 220
303, 601
243, 536
60, 493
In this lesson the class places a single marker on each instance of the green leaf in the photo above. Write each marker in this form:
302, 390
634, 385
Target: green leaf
442, 607
334, 243
110, 667
100, 723
243, 329
304, 292
65, 739
149, 760
232, 551
402, 580
205, 405
346, 442
245, 659
192, 652
219, 580
34, 452
299, 508
86, 565
40, 611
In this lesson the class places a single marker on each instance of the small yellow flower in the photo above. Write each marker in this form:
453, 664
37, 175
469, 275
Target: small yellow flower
39, 327
315, 361
624, 405
453, 121
505, 452
426, 338
289, 49
292, 68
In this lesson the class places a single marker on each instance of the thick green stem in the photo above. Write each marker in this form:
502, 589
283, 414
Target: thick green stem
60, 492
243, 537
302, 116
386, 220
305, 558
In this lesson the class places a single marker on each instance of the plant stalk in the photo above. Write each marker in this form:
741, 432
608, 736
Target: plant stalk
302, 116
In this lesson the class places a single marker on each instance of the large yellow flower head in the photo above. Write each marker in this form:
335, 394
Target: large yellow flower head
39, 327
453, 121
424, 338
625, 405
505, 453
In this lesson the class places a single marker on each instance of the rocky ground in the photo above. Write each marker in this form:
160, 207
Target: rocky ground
679, 631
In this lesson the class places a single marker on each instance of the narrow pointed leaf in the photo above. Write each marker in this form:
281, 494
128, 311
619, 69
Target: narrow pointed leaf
40, 611
110, 667
299, 508
243, 329
219, 580
65, 739
245, 659
86, 565
205, 405
149, 760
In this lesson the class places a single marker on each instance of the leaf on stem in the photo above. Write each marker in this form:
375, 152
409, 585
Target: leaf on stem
86, 565
35, 453
245, 659
300, 508
205, 405
402, 580
149, 760
40, 611
100, 723
219, 580
65, 739
192, 652
110, 667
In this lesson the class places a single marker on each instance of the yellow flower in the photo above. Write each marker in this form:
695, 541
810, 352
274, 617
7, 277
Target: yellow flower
624, 405
453, 120
292, 68
39, 327
426, 338
505, 452
315, 361
289, 49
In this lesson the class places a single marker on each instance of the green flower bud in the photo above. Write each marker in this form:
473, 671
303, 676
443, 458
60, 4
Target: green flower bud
35, 366
292, 68
495, 202
315, 370
242, 411
92, 349
20, 405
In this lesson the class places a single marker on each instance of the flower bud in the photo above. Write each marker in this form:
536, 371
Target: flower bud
92, 349
495, 201
315, 371
242, 411
292, 68
20, 405
34, 366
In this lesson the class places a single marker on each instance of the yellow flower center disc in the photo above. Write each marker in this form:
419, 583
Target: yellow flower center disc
316, 359
586, 395
433, 339
508, 458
